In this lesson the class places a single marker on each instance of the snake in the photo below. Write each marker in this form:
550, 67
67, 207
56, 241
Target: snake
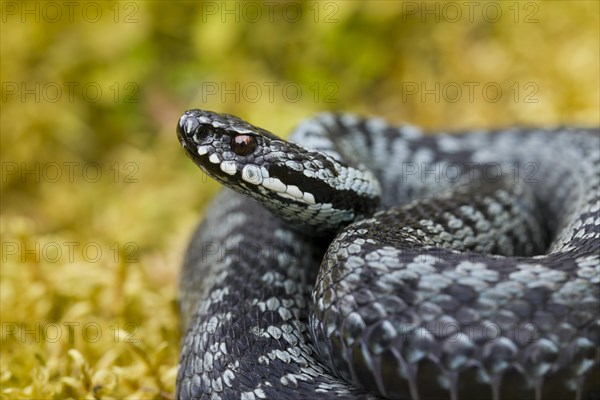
363, 259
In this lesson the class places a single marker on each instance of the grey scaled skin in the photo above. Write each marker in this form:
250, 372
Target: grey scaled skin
422, 267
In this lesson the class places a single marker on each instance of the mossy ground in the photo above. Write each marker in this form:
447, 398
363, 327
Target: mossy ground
98, 200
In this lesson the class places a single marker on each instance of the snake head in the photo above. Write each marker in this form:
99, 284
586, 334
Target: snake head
198, 127
297, 183
242, 156
220, 144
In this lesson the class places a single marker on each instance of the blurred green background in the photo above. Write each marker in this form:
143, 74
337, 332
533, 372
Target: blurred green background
98, 199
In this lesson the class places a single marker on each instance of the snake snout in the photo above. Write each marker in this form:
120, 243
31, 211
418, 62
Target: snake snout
187, 127
193, 128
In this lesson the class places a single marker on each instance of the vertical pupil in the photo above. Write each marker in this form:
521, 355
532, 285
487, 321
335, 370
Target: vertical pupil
243, 145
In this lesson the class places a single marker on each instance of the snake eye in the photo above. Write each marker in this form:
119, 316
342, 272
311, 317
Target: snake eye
242, 145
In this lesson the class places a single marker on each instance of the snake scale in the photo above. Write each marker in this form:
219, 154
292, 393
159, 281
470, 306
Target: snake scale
381, 262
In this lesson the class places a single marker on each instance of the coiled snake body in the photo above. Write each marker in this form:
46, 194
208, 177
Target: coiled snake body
481, 280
